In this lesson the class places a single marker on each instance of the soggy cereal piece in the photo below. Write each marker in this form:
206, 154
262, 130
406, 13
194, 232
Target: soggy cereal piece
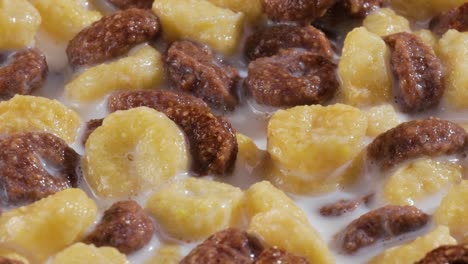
193, 68
339, 208
25, 164
417, 72
124, 226
142, 69
363, 69
24, 72
385, 21
48, 225
126, 4
251, 8
25, 113
362, 8
19, 22
248, 151
291, 78
456, 18
166, 254
80, 253
65, 18
229, 246
296, 10
417, 138
91, 125
446, 254
415, 250
420, 179
383, 223
381, 119
453, 51
213, 144
185, 19
424, 9
276, 255
192, 209
428, 38
268, 41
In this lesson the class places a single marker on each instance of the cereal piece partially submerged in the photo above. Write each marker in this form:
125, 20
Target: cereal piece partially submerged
65, 18
230, 246
385, 21
383, 223
24, 72
268, 41
446, 254
292, 78
112, 36
142, 69
417, 72
35, 165
296, 10
339, 208
192, 208
91, 125
32, 113
80, 253
362, 8
381, 119
185, 19
417, 138
213, 144
193, 68
276, 255
126, 4
133, 150
248, 151
167, 254
48, 225
415, 250
19, 22
455, 18
124, 226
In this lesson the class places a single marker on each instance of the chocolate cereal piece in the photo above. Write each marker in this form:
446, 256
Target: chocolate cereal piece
113, 35
125, 226
339, 208
23, 72
417, 72
455, 18
275, 255
292, 78
230, 246
361, 8
193, 68
213, 143
453, 254
126, 4
383, 223
417, 138
34, 165
91, 125
268, 41
296, 10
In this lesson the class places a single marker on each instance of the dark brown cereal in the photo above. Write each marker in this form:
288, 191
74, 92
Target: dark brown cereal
230, 246
339, 208
417, 72
456, 18
453, 254
126, 4
413, 139
24, 72
383, 223
113, 35
91, 125
125, 226
296, 10
4, 260
276, 255
213, 143
23, 175
292, 78
361, 8
268, 41
193, 68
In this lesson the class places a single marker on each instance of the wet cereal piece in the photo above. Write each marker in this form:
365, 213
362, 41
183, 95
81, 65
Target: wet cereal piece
296, 10
124, 226
230, 246
112, 36
268, 41
276, 255
361, 8
4, 260
126, 4
213, 143
417, 138
339, 208
417, 72
456, 254
23, 73
292, 78
193, 68
91, 125
383, 223
34, 165
455, 18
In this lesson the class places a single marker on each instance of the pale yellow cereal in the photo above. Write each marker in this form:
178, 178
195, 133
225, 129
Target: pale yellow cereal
33, 113
142, 69
424, 9
166, 254
252, 8
12, 254
385, 21
80, 253
248, 151
19, 22
381, 119
428, 38
48, 225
